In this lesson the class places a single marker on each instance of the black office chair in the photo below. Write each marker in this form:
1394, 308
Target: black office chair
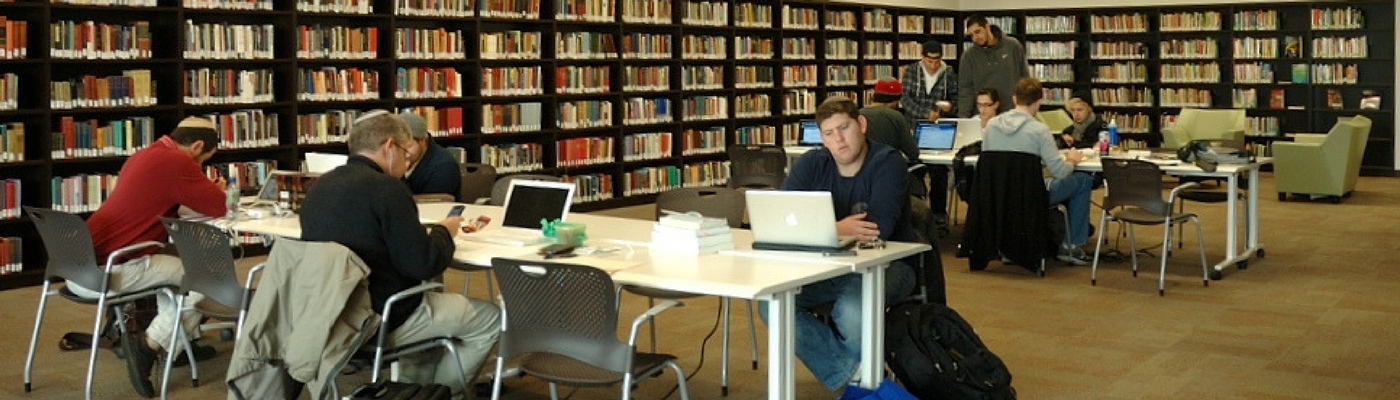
715, 203
68, 243
477, 182
560, 320
209, 270
762, 167
1135, 191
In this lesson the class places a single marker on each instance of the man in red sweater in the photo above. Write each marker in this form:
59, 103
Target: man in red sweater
154, 182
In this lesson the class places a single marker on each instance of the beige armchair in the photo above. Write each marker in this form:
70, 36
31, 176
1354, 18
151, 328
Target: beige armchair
1226, 126
1323, 164
1056, 119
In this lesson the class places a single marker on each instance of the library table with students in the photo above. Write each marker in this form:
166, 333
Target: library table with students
621, 247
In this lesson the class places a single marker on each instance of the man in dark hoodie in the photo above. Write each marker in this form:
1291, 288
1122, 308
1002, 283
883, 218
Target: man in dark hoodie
994, 61
1018, 130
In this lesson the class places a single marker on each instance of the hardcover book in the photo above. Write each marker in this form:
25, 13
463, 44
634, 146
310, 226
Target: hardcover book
1334, 99
1370, 100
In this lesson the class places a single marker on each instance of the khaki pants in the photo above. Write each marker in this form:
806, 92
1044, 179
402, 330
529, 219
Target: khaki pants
477, 323
145, 272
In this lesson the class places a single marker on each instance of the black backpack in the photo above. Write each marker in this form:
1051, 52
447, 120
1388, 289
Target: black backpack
936, 355
963, 173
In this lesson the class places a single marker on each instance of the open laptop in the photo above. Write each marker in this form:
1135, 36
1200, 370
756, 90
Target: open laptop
527, 202
810, 135
320, 163
935, 137
794, 221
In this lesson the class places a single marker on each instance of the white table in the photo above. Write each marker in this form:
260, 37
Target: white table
742, 273
1232, 173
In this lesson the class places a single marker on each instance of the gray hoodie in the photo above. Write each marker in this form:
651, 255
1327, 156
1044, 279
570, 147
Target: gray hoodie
997, 67
1017, 131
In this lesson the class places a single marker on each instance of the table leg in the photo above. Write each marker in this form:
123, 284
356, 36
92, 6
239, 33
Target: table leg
872, 340
782, 309
1252, 214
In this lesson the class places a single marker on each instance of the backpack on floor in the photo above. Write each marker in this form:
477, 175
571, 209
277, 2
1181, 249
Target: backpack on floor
935, 354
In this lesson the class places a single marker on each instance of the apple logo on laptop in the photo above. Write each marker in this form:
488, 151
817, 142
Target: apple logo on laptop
791, 219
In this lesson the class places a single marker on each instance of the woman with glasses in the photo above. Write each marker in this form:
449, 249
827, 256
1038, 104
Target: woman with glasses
988, 102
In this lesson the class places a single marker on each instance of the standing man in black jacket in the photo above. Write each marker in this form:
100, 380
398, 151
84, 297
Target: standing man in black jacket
365, 206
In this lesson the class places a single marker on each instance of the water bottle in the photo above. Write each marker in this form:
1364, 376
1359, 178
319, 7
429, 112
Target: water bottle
231, 198
1113, 132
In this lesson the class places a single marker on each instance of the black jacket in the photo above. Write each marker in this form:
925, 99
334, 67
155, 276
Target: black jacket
373, 214
437, 172
1008, 212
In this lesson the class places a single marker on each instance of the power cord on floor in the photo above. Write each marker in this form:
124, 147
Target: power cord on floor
719, 313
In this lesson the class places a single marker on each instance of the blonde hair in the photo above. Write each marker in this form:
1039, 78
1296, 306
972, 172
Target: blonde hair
1075, 100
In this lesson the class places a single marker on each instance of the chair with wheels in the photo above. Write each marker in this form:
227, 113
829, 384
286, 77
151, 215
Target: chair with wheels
209, 270
751, 166
72, 257
1135, 197
715, 203
477, 181
560, 321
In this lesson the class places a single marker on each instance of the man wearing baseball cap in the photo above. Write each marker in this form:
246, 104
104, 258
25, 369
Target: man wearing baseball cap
930, 87
887, 125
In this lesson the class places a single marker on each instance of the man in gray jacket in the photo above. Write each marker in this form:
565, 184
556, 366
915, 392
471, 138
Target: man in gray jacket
994, 61
1018, 130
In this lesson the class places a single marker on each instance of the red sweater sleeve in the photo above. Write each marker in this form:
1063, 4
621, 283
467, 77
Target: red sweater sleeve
197, 192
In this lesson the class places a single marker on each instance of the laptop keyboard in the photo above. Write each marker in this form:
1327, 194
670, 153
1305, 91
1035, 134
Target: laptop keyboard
505, 238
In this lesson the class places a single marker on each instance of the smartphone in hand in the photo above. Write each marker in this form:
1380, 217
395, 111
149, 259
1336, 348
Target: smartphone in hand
456, 211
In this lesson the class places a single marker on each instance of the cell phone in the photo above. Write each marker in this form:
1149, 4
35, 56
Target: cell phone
556, 250
456, 211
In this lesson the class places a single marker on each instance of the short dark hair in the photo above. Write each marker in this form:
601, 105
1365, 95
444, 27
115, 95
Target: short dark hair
1028, 91
837, 105
194, 129
976, 19
990, 93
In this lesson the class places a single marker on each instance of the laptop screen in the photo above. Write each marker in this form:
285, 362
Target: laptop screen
811, 134
528, 201
320, 163
935, 136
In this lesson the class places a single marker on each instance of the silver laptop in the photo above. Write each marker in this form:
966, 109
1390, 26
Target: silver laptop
969, 130
793, 220
935, 137
527, 203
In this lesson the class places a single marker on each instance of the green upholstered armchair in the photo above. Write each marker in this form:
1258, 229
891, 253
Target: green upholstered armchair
1197, 124
1323, 164
1056, 119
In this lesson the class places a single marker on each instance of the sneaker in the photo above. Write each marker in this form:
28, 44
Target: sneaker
139, 360
1074, 256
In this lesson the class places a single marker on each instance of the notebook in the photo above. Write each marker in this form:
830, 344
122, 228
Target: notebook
811, 135
935, 137
527, 202
794, 221
320, 163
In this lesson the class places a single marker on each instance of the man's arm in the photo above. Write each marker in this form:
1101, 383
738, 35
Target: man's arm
196, 192
909, 92
888, 192
953, 93
1050, 153
966, 97
416, 253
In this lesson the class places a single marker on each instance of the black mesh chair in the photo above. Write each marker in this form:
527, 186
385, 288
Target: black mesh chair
477, 182
715, 203
560, 320
498, 190
763, 167
209, 270
1135, 193
68, 243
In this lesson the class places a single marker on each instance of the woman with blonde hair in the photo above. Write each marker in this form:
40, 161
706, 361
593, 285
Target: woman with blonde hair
1084, 132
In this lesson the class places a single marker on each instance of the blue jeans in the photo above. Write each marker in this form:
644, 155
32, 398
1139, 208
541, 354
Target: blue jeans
831, 359
1073, 191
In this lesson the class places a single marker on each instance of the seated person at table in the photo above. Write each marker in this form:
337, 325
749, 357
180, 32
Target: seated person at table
433, 169
856, 171
364, 206
1018, 130
156, 180
1084, 132
988, 102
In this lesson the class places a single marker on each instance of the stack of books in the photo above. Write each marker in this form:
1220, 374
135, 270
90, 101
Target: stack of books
691, 233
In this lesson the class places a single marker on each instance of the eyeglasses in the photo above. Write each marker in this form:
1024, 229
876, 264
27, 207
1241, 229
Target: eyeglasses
405, 149
986, 104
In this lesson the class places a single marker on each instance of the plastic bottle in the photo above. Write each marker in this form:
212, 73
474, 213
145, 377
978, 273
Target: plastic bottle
231, 197
1113, 132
